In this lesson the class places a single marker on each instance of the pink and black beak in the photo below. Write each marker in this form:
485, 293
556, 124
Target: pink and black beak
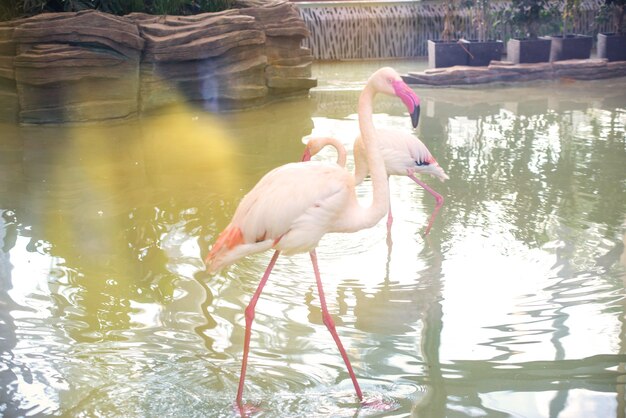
306, 156
410, 100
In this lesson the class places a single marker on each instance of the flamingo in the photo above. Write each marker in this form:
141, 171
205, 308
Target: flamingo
294, 205
403, 154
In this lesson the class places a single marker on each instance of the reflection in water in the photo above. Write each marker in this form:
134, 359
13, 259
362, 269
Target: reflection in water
540, 171
8, 340
512, 306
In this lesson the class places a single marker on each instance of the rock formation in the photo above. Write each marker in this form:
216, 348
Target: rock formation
504, 71
89, 66
9, 106
214, 58
289, 65
75, 67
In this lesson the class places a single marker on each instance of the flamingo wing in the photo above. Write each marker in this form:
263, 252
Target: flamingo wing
400, 151
403, 151
289, 209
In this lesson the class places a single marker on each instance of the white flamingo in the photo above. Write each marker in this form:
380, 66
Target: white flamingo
403, 153
294, 205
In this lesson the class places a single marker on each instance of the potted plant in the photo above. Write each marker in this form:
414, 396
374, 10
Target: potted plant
525, 17
483, 50
447, 51
612, 45
568, 45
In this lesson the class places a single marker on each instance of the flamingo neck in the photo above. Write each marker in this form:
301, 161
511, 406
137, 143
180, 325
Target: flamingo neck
375, 162
341, 150
360, 161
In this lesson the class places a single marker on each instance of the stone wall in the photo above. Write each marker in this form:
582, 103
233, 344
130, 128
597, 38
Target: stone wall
90, 66
76, 66
9, 106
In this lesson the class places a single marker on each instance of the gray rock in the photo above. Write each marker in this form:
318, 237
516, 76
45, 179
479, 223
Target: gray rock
86, 66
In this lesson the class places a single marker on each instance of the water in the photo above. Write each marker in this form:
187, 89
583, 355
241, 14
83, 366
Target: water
512, 306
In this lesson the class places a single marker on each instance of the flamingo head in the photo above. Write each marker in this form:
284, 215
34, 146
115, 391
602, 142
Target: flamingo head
315, 145
306, 155
310, 149
409, 98
388, 81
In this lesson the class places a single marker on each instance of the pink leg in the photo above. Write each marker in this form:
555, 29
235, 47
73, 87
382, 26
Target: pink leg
389, 215
438, 199
389, 223
389, 219
249, 319
330, 324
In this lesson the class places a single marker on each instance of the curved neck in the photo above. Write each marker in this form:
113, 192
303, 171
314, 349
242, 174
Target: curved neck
375, 162
360, 161
341, 150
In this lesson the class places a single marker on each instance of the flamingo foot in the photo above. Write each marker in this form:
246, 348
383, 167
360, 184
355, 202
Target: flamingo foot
247, 409
438, 205
379, 405
427, 230
437, 196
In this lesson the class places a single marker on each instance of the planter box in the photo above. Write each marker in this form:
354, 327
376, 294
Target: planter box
446, 54
612, 46
481, 53
522, 50
570, 47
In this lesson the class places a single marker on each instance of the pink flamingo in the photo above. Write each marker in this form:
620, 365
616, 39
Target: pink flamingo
403, 153
294, 205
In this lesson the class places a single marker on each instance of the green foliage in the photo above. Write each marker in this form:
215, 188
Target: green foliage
11, 9
448, 20
571, 10
120, 7
8, 9
481, 17
215, 5
527, 16
613, 11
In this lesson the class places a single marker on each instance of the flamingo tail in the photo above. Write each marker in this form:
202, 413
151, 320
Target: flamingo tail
228, 239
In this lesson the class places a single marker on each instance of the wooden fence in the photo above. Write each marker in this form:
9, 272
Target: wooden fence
397, 29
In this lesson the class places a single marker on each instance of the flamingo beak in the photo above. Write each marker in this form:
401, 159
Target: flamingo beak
415, 116
306, 156
410, 100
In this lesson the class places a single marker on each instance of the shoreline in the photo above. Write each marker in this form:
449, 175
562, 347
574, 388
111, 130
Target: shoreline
506, 71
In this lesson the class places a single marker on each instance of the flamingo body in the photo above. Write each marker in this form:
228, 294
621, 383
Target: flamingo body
404, 155
290, 209
401, 152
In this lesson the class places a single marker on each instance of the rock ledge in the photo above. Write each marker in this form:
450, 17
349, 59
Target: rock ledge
90, 66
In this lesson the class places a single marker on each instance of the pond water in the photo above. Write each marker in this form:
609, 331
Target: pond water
513, 305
